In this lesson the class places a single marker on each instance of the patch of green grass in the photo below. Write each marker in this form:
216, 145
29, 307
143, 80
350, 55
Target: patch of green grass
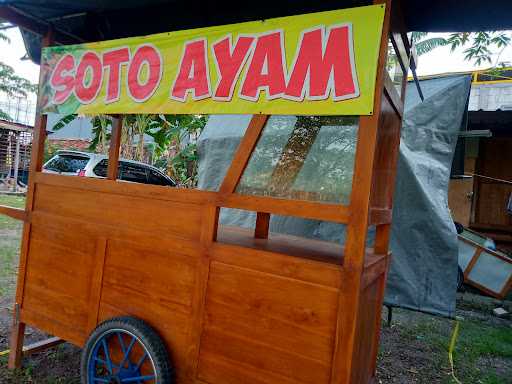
483, 353
11, 201
10, 234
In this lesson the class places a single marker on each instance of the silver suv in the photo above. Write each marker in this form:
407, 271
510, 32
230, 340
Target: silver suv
75, 163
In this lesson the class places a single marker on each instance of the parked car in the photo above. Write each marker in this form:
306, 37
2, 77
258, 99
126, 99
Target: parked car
75, 163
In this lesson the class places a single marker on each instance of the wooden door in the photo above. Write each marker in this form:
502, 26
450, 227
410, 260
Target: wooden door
493, 191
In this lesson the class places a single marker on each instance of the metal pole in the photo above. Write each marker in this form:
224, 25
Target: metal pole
16, 162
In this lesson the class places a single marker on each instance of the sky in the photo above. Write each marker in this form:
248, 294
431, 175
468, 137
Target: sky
438, 61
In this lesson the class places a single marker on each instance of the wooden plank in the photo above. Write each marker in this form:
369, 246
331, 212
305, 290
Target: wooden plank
113, 151
15, 213
301, 208
16, 341
312, 249
42, 345
242, 303
344, 351
154, 192
209, 222
36, 162
128, 212
243, 153
96, 282
380, 216
297, 268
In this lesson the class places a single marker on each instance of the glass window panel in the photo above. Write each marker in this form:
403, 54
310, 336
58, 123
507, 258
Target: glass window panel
466, 252
491, 272
303, 158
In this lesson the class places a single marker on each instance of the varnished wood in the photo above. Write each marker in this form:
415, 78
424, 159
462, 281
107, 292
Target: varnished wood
14, 213
307, 209
42, 345
97, 282
233, 306
36, 163
262, 225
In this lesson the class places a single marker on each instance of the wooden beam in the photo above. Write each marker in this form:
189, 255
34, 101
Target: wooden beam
262, 225
15, 213
42, 345
36, 25
113, 152
243, 153
307, 209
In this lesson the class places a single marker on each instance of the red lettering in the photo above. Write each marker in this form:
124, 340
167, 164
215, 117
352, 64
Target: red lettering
193, 73
113, 60
88, 77
267, 69
322, 68
61, 80
144, 55
229, 63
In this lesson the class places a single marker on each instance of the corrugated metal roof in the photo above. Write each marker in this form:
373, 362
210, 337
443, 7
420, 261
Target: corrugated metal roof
490, 97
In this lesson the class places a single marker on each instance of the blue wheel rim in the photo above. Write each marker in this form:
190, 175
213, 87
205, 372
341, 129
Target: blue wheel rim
127, 367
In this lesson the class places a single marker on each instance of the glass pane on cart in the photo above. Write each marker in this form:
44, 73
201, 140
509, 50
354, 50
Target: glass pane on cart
303, 158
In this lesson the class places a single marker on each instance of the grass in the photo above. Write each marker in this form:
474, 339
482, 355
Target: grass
10, 233
483, 352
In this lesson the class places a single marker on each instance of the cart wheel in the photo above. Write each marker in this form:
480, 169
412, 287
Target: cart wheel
125, 350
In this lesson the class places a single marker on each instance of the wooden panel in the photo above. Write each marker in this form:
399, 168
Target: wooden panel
459, 199
182, 219
156, 283
365, 335
58, 276
280, 328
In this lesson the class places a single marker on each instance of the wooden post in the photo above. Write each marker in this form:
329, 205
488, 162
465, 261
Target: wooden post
262, 225
115, 143
355, 246
36, 163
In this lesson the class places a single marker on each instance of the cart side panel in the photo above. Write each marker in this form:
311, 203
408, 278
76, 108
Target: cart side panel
100, 249
58, 276
154, 282
261, 326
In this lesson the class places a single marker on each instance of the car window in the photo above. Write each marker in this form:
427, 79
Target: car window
101, 168
67, 163
157, 179
133, 172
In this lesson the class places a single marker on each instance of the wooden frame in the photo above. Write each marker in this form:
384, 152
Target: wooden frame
474, 259
261, 307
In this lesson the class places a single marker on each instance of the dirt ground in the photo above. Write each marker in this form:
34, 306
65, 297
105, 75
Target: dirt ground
414, 349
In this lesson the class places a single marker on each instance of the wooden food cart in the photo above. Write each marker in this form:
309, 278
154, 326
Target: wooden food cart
146, 279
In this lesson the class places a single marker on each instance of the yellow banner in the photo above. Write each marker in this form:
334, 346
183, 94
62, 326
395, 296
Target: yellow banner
316, 64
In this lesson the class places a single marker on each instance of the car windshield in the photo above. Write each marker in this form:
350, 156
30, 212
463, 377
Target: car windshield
68, 163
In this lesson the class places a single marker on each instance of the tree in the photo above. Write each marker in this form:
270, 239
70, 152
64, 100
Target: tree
10, 83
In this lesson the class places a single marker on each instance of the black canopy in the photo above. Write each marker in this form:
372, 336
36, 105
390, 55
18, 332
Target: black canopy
91, 20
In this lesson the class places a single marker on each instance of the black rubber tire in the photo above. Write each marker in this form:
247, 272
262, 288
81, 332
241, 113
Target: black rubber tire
146, 335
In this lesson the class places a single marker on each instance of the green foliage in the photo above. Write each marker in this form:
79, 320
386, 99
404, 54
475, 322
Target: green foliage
174, 148
174, 137
482, 45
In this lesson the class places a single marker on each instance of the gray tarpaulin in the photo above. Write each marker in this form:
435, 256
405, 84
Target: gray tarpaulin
423, 273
